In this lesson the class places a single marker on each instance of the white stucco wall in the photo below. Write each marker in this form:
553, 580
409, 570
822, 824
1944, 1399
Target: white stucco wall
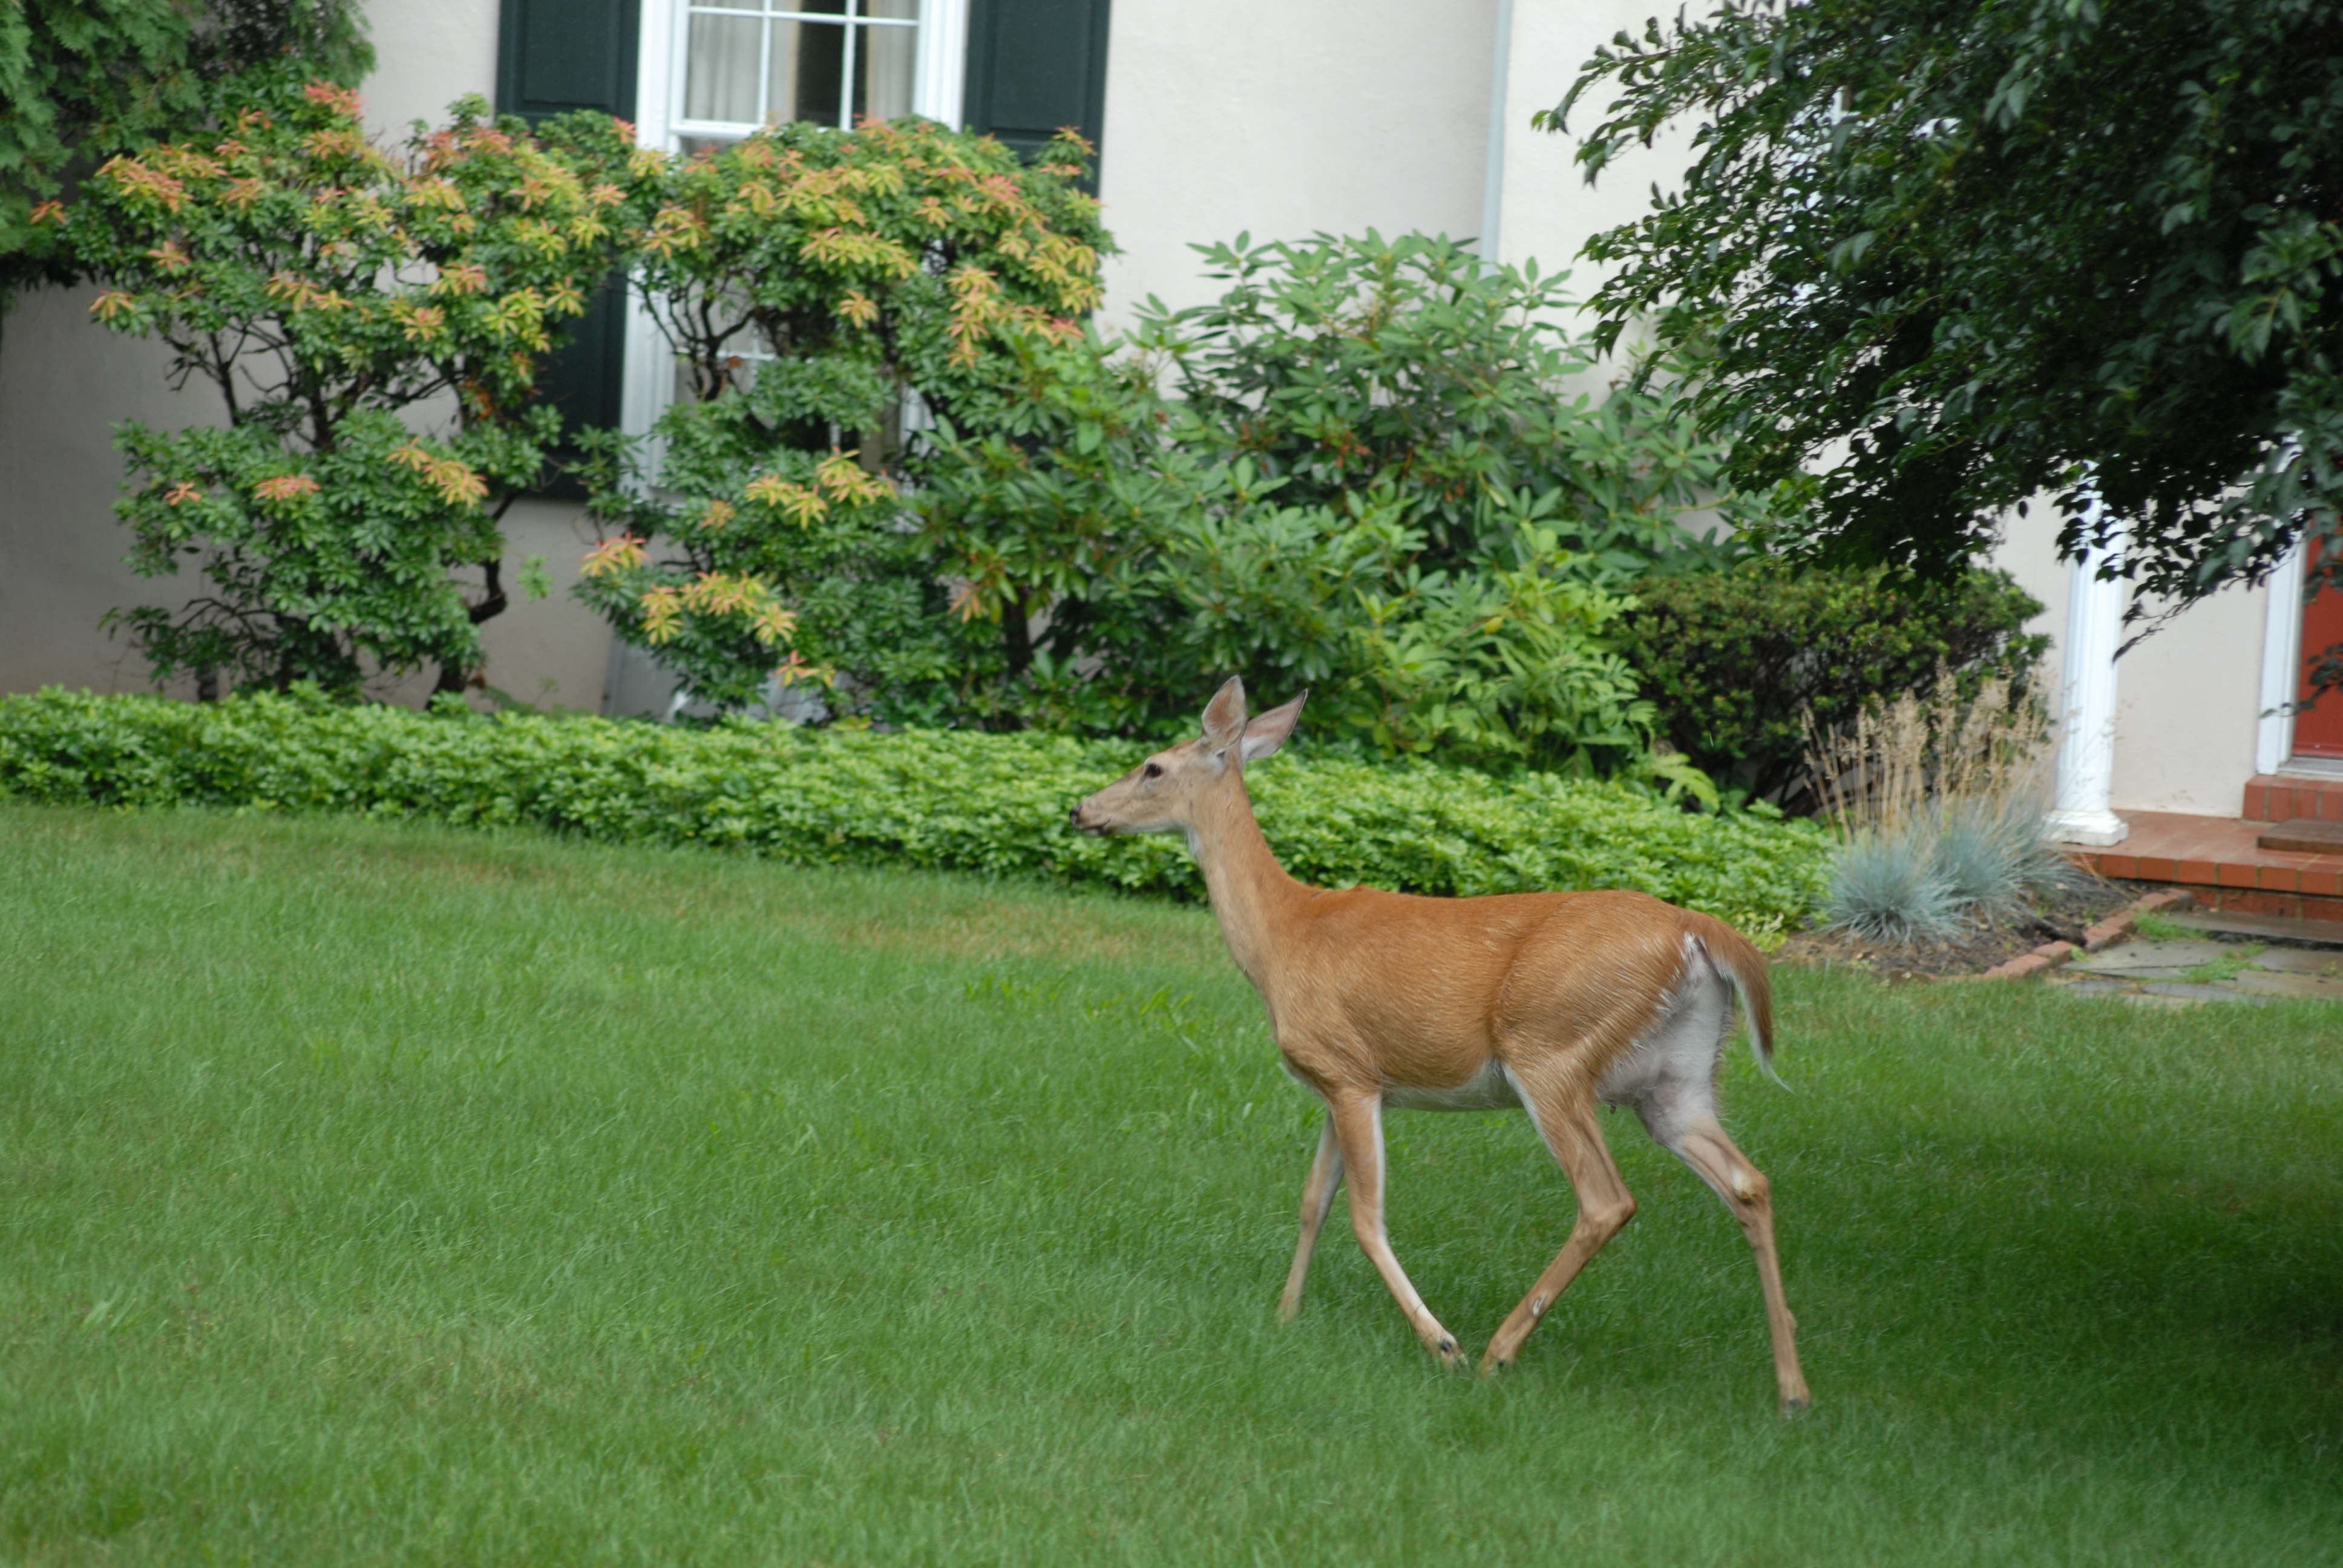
64, 383
427, 53
1284, 119
1546, 209
2186, 698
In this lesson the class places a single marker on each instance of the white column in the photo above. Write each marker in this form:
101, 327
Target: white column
1492, 178
2086, 737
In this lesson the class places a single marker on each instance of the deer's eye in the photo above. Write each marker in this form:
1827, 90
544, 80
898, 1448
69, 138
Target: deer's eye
1152, 770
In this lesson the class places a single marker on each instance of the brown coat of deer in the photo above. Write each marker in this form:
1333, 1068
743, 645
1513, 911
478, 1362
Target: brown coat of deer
1557, 1002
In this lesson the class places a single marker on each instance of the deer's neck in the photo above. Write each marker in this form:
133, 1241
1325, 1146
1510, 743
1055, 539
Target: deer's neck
1253, 896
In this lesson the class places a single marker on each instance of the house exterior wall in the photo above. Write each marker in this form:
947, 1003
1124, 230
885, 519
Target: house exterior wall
2186, 697
1222, 116
1229, 115
64, 383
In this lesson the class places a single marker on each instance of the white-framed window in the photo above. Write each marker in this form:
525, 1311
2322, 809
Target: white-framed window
717, 70
751, 63
713, 71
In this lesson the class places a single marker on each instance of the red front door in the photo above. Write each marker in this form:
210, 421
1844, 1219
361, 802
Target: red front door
2318, 730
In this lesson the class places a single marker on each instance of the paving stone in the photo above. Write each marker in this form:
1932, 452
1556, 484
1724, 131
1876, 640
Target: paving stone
2278, 982
2301, 960
2317, 933
2135, 956
2196, 993
2082, 986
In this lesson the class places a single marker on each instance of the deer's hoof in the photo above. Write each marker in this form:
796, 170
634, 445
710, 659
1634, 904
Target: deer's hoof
1795, 1405
1493, 1363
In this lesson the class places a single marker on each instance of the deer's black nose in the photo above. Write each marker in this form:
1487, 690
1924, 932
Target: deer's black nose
1074, 816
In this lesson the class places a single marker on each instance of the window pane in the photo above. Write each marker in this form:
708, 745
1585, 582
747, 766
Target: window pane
889, 60
909, 10
728, 4
719, 80
809, 59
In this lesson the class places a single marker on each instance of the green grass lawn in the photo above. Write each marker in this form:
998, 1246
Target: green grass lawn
380, 1194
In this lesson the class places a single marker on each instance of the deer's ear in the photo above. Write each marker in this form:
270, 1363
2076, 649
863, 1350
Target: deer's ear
1264, 735
1224, 716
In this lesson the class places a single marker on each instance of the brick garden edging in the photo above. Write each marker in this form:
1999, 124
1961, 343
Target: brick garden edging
2106, 933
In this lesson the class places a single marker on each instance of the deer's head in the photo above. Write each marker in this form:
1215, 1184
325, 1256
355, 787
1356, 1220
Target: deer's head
1169, 791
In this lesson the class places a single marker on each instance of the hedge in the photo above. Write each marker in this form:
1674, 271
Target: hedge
1735, 659
951, 799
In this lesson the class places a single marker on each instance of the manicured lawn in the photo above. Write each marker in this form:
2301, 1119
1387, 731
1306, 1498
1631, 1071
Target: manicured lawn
379, 1194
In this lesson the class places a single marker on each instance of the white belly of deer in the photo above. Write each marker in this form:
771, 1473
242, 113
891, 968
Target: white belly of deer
1488, 1090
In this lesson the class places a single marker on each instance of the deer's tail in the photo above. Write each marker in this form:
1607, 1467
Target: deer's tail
1736, 958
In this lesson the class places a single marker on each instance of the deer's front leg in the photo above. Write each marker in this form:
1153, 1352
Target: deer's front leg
1317, 1198
1358, 1123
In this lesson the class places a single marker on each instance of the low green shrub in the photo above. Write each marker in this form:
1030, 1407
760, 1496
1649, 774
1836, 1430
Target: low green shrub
994, 803
1734, 658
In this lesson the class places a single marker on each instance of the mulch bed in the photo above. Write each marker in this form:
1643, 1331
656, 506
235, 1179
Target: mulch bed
2060, 919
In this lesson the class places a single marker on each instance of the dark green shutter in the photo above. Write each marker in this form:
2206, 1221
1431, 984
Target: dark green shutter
1034, 66
553, 56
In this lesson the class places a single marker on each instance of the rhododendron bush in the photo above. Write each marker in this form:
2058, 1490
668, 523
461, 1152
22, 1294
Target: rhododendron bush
373, 321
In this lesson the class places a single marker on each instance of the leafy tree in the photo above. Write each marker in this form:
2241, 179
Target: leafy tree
1940, 256
332, 293
815, 284
87, 79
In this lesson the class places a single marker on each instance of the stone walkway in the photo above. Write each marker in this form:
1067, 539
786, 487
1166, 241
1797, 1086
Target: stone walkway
2222, 958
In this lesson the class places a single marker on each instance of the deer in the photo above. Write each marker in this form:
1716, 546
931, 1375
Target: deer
1558, 1002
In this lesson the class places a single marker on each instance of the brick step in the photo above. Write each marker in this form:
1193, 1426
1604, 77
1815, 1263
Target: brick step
2273, 798
2304, 838
2222, 860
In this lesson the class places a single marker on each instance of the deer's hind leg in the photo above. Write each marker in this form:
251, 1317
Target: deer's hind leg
1563, 1114
1699, 1140
1678, 1106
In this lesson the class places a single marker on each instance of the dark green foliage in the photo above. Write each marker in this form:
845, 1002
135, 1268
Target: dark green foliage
1411, 375
958, 799
84, 80
1978, 251
324, 288
1380, 474
1734, 658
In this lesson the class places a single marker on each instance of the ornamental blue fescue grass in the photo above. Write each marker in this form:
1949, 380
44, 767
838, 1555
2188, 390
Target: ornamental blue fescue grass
938, 800
1886, 888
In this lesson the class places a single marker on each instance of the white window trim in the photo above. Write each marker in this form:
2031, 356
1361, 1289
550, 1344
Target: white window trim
2281, 665
938, 76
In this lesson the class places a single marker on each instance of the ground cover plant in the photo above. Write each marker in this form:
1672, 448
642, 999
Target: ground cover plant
383, 1193
971, 801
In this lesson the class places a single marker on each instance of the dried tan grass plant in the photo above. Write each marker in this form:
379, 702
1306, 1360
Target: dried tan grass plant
1900, 763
